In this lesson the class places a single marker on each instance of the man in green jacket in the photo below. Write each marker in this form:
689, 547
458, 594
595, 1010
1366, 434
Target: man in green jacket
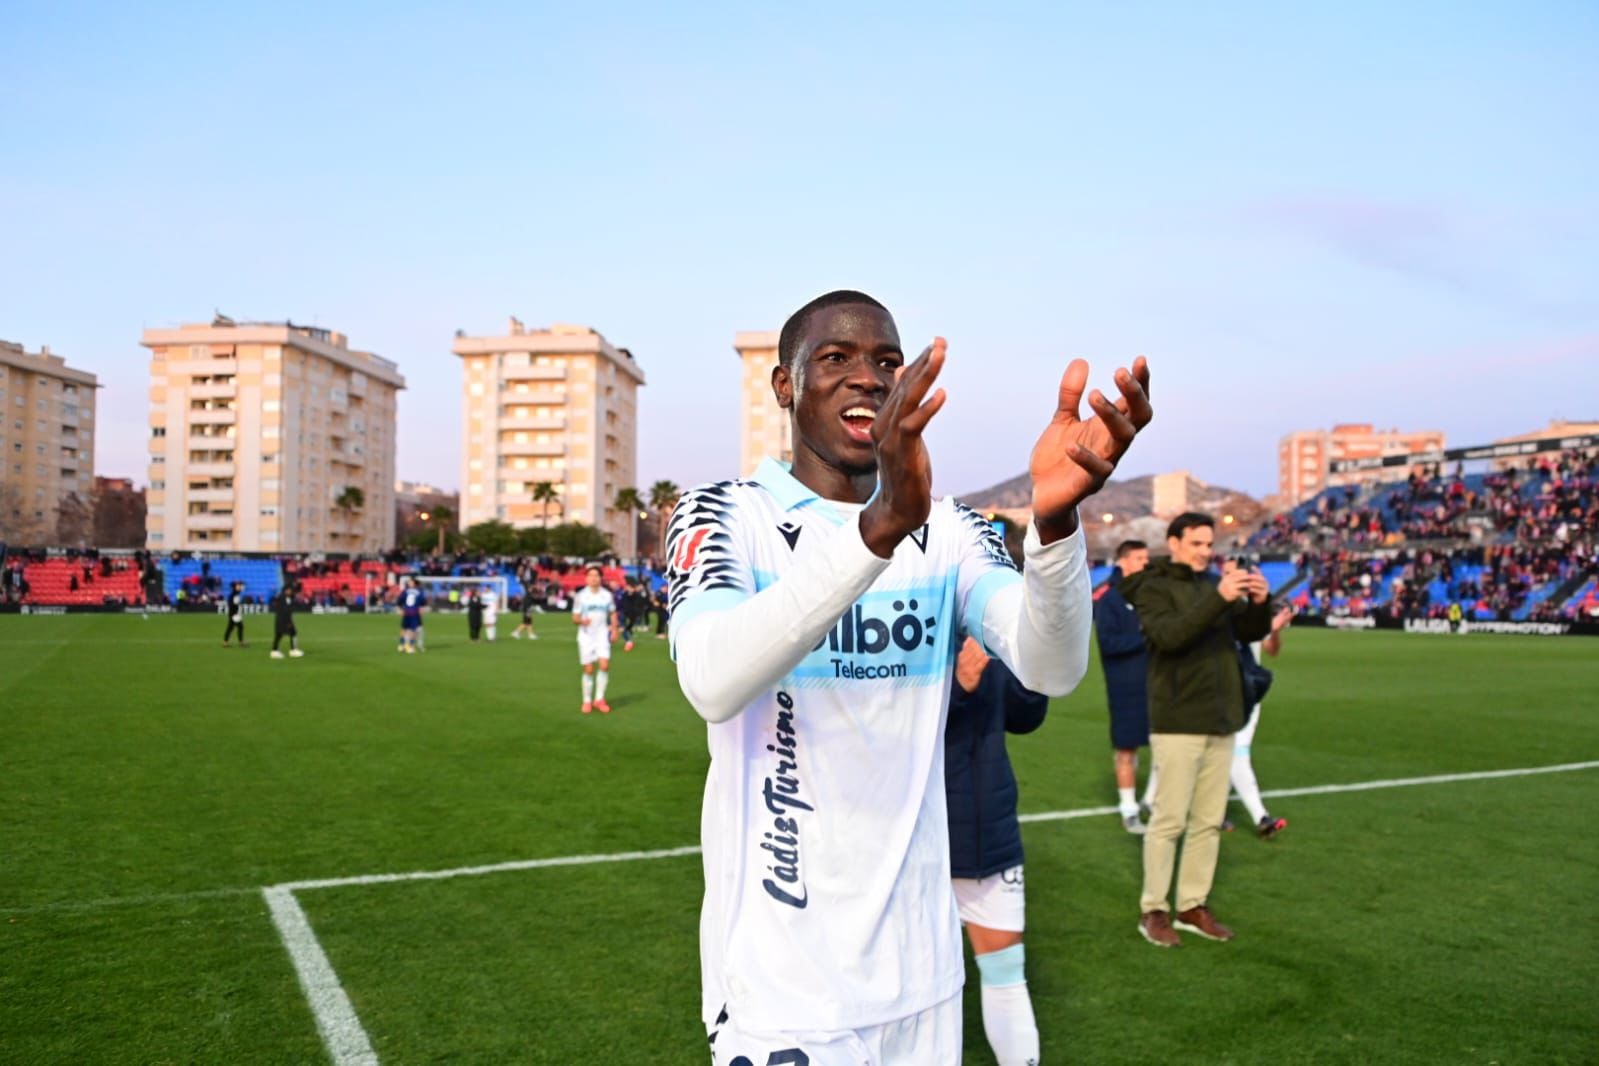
1196, 704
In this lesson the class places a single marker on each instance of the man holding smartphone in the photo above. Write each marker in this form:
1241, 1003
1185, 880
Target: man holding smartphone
1196, 705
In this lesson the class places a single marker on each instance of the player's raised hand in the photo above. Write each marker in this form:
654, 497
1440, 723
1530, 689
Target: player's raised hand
1073, 458
904, 470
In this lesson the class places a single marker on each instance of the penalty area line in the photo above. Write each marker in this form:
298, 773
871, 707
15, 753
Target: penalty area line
1356, 786
347, 1042
342, 1034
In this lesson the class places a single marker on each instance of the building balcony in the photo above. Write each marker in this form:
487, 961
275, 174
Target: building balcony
518, 422
210, 495
213, 392
209, 522
209, 469
202, 368
529, 448
213, 418
210, 444
532, 373
537, 397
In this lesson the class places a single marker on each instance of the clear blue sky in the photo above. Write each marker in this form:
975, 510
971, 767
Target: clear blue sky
1371, 212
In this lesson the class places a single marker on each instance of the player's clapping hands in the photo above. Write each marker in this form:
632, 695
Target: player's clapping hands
904, 469
1073, 458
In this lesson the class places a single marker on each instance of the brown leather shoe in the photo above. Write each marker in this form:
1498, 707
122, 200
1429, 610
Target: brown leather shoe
1155, 926
1200, 920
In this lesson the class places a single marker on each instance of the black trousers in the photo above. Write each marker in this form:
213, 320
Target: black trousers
284, 631
232, 625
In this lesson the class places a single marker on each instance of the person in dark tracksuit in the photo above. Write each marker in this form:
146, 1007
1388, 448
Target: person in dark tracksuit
235, 610
985, 840
474, 616
283, 623
1125, 657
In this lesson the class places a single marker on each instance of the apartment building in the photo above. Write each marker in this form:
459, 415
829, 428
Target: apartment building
258, 433
1304, 457
764, 428
558, 406
46, 441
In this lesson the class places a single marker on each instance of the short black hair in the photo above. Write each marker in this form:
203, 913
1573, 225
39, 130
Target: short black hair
1127, 547
596, 567
1186, 521
788, 340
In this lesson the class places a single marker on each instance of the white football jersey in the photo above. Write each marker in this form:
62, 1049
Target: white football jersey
828, 902
595, 608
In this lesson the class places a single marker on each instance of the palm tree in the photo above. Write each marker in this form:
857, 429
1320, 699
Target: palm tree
630, 503
663, 497
441, 519
544, 492
351, 500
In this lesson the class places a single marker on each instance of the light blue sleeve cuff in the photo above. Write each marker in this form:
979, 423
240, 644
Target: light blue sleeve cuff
977, 599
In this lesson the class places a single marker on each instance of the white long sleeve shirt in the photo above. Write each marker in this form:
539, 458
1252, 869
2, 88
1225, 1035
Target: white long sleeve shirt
824, 674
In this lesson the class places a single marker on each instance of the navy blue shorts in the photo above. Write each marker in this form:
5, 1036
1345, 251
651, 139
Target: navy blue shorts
1129, 728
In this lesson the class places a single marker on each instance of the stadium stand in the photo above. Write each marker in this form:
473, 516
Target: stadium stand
1514, 544
192, 580
81, 582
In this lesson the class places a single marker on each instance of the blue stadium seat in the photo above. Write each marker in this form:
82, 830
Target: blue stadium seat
262, 577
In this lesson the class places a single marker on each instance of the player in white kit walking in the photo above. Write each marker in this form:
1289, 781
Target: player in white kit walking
594, 614
814, 616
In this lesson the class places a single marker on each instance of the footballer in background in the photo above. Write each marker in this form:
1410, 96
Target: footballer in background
412, 604
594, 613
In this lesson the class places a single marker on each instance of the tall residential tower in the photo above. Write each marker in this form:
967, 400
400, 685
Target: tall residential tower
258, 430
556, 405
46, 442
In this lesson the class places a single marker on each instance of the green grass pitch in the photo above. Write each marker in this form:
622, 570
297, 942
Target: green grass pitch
151, 783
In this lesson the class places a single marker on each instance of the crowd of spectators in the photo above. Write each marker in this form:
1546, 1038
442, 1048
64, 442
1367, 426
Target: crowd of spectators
1554, 496
1488, 582
1517, 543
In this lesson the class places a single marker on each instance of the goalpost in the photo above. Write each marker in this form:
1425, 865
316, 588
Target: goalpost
438, 590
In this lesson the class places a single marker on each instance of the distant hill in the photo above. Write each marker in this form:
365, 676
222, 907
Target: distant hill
1131, 502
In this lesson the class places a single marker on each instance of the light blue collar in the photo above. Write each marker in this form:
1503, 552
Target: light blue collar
778, 479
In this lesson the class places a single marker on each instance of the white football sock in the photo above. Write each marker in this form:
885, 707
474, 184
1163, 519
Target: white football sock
1008, 1020
588, 687
599, 684
1244, 783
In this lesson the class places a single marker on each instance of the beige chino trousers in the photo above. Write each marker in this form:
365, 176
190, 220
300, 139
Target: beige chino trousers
1190, 802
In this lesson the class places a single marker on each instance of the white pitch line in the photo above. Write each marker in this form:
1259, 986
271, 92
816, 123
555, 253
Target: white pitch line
499, 867
1436, 779
1358, 786
346, 1041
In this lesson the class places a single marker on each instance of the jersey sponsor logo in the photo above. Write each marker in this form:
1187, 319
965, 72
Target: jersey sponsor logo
786, 805
919, 538
858, 632
790, 532
884, 636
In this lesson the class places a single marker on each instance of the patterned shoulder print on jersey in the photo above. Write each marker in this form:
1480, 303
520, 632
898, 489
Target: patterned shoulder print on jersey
987, 536
699, 542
